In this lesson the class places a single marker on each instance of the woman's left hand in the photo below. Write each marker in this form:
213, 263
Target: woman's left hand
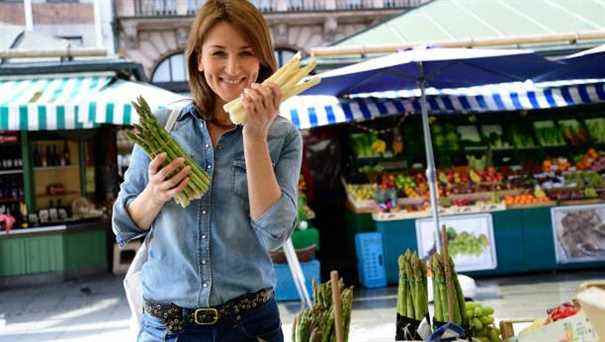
261, 103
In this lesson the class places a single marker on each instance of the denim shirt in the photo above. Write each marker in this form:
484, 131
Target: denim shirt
212, 251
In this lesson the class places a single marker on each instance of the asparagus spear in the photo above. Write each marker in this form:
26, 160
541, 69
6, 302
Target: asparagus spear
401, 293
438, 314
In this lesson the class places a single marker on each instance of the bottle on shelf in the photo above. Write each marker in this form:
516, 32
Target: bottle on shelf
9, 163
24, 215
36, 157
45, 156
2, 191
55, 156
52, 212
17, 161
66, 154
62, 211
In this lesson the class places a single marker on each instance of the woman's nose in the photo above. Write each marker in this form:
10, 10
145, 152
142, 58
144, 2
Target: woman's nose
233, 65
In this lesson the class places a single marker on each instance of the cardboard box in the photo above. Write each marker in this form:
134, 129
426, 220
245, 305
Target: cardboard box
576, 328
592, 300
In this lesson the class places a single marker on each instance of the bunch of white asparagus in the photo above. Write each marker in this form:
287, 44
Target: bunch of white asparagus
291, 80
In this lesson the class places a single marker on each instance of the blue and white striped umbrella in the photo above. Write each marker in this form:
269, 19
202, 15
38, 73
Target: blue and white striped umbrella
308, 111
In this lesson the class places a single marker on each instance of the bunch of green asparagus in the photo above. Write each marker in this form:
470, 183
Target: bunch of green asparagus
440, 292
316, 324
412, 296
154, 139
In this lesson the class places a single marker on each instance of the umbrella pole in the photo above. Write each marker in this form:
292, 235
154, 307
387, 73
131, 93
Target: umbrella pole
430, 159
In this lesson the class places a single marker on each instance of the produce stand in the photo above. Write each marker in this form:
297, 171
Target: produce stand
58, 174
58, 232
519, 205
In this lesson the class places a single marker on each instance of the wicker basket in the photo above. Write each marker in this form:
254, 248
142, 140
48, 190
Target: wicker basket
303, 254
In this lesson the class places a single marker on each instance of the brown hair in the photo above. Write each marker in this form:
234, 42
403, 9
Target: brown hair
244, 17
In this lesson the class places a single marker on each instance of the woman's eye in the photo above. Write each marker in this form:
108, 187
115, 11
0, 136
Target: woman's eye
247, 53
219, 53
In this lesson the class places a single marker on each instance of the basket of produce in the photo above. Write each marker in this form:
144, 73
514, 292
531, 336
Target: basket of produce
412, 296
329, 318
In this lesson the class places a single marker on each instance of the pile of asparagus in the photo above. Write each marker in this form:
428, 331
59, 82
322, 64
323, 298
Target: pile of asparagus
290, 80
441, 291
154, 139
316, 324
412, 296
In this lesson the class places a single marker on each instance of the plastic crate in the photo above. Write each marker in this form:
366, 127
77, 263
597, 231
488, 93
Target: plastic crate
286, 289
370, 260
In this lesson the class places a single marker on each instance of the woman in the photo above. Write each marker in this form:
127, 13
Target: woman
209, 276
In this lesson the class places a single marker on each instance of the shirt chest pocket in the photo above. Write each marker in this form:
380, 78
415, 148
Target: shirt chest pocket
240, 180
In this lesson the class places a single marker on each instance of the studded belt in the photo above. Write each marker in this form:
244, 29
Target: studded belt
175, 317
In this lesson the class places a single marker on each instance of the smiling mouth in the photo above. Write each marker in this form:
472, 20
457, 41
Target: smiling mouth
233, 82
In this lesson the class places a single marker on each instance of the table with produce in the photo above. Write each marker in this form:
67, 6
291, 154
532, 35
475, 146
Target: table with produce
518, 172
435, 280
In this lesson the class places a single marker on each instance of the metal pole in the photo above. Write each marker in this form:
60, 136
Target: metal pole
98, 24
297, 274
430, 159
29, 20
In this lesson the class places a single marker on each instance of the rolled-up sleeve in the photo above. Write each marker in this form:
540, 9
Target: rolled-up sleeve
135, 180
276, 225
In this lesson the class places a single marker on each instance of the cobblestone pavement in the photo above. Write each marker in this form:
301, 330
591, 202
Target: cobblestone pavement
95, 309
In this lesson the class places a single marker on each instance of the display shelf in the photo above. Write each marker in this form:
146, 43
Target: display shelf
34, 230
46, 168
378, 159
11, 172
12, 200
66, 193
582, 202
533, 205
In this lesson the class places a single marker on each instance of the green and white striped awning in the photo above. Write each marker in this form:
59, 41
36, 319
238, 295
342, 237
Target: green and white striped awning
112, 104
47, 102
72, 101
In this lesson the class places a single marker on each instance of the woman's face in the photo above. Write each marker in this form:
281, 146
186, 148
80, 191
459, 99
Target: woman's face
228, 62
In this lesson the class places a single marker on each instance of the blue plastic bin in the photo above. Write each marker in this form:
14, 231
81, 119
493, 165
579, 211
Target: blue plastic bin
370, 260
286, 289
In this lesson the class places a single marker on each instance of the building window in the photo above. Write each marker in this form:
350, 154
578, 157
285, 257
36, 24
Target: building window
171, 73
283, 55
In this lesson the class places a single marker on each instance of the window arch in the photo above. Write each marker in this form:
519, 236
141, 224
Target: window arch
171, 73
283, 55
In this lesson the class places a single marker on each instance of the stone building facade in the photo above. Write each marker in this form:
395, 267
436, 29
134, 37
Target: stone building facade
154, 32
73, 21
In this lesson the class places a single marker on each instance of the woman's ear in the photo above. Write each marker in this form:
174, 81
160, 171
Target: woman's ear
200, 66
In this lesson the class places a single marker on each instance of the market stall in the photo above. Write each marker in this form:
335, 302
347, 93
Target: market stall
540, 148
58, 174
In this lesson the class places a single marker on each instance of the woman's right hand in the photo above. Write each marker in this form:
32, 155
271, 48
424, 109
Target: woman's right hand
165, 182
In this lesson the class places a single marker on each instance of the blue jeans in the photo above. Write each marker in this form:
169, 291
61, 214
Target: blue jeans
260, 324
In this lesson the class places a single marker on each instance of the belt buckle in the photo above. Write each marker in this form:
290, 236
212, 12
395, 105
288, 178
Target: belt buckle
205, 310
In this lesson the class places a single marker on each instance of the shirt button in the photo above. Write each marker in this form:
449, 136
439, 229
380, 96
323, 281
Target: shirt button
205, 284
203, 212
204, 236
207, 145
203, 262
209, 167
219, 147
